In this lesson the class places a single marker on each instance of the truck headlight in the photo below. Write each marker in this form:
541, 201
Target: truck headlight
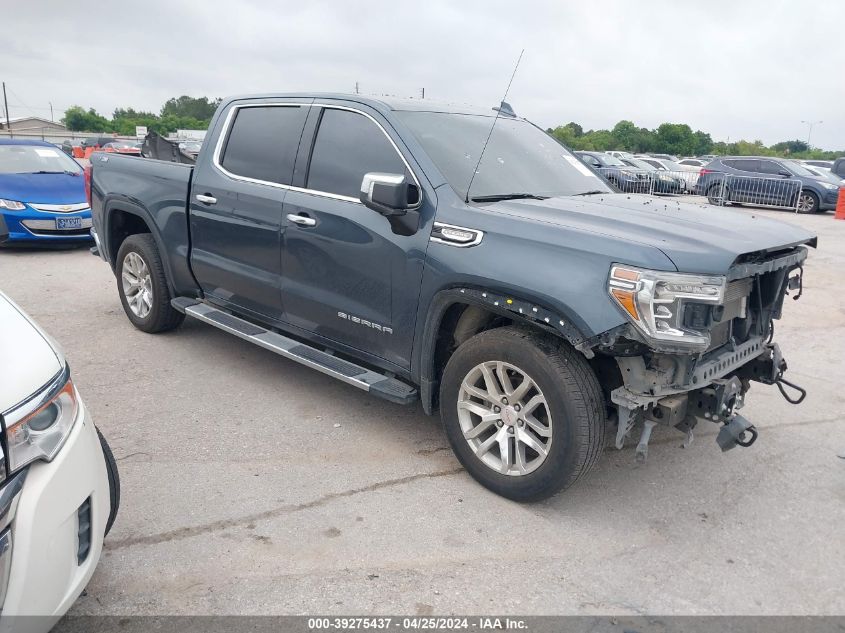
655, 301
38, 428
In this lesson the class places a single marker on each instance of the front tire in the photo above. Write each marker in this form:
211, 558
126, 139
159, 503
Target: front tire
523, 412
142, 285
808, 202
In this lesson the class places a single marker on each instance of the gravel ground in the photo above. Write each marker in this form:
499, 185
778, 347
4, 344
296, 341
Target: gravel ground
252, 485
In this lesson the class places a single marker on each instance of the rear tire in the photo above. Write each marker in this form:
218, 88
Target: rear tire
566, 423
714, 195
142, 285
114, 482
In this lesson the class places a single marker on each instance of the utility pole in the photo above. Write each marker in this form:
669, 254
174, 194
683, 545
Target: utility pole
810, 131
6, 106
422, 93
51, 112
356, 87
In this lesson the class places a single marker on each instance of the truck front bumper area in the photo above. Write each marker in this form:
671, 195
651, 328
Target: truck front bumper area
52, 531
711, 391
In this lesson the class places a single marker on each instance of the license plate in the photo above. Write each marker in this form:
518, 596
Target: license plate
68, 223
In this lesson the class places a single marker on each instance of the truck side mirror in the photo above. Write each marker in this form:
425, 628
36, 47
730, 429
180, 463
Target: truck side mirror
389, 194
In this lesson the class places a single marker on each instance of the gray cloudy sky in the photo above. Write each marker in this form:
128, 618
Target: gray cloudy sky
739, 68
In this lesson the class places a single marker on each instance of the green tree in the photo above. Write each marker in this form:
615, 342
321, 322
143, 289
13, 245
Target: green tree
790, 147
675, 138
78, 119
627, 136
200, 108
703, 143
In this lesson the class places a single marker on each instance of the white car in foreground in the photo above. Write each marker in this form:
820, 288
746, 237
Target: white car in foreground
59, 486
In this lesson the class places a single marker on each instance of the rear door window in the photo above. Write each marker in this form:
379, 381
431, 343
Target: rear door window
349, 145
263, 141
744, 164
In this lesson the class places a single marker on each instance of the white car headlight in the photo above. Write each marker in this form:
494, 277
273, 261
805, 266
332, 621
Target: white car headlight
655, 302
38, 428
12, 205
829, 185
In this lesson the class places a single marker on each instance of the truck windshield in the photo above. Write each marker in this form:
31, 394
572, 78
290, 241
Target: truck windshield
520, 158
36, 159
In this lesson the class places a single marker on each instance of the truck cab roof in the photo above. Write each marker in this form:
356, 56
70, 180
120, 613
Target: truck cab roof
382, 103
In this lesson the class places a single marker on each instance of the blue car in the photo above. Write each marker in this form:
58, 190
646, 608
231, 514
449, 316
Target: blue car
42, 194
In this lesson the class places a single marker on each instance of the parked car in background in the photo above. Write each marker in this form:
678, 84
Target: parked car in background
825, 174
688, 173
620, 154
122, 147
662, 181
191, 148
42, 194
59, 484
695, 163
96, 141
67, 146
824, 164
839, 167
765, 180
616, 172
671, 157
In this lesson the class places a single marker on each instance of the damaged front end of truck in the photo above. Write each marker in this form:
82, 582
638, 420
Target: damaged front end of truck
694, 343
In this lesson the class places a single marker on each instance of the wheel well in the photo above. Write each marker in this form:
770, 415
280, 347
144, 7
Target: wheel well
462, 321
122, 224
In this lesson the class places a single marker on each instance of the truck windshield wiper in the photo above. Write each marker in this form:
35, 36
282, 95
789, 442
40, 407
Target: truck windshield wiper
589, 193
508, 196
46, 171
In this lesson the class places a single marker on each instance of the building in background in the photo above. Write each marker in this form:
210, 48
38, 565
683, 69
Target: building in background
31, 125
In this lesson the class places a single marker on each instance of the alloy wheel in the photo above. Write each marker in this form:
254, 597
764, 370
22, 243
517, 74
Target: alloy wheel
137, 284
806, 202
505, 418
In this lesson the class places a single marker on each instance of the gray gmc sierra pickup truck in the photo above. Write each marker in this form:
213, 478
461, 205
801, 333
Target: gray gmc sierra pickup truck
533, 309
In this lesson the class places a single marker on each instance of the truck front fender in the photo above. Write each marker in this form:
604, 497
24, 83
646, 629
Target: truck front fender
520, 309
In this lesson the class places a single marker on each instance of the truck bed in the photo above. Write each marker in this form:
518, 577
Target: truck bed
156, 191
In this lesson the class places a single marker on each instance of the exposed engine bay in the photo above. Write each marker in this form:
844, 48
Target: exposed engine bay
668, 383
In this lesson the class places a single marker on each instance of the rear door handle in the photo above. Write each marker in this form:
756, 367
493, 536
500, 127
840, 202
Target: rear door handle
301, 220
206, 199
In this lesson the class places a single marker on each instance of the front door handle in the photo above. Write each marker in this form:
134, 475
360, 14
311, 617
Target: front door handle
206, 199
302, 220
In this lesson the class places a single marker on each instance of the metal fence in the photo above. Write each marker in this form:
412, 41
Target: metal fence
756, 191
719, 188
57, 137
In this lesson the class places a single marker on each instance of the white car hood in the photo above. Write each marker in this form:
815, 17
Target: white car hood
29, 358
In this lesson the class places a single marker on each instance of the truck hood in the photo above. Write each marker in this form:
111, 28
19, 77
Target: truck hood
43, 188
697, 238
28, 357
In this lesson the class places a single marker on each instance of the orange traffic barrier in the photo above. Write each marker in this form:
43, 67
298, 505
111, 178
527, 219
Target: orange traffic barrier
78, 153
88, 152
840, 205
